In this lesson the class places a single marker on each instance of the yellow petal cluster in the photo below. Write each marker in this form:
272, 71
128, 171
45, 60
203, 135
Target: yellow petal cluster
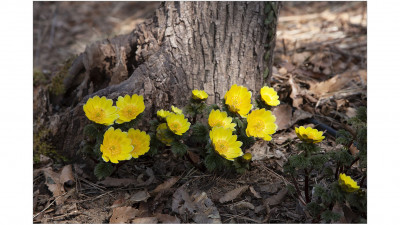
116, 146
162, 114
225, 143
238, 99
129, 107
176, 110
161, 134
100, 110
347, 184
269, 96
178, 124
261, 123
140, 142
309, 135
199, 95
220, 119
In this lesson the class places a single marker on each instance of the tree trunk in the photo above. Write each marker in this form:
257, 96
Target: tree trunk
185, 46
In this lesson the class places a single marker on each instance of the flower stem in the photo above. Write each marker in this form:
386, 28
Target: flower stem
337, 171
306, 187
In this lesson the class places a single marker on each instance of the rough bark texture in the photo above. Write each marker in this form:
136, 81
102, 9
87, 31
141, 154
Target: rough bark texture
185, 46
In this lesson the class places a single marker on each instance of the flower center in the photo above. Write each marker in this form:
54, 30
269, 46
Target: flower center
114, 150
221, 146
130, 111
218, 124
99, 114
175, 126
259, 126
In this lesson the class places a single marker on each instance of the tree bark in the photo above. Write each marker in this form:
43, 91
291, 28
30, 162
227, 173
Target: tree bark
185, 46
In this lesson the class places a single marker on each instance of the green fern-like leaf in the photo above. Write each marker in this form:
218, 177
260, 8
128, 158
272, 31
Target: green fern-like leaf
330, 216
179, 148
210, 162
91, 130
247, 141
103, 170
343, 137
209, 108
200, 133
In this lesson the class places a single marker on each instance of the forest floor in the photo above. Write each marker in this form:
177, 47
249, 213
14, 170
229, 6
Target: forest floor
320, 69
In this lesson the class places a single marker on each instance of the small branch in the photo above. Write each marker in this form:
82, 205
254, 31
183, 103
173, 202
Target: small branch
362, 180
296, 185
352, 163
49, 205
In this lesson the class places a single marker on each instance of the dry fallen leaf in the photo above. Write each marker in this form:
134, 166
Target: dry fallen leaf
139, 196
197, 207
166, 185
165, 218
242, 205
270, 188
254, 192
300, 115
295, 94
332, 85
149, 172
229, 196
55, 181
117, 182
284, 137
259, 150
353, 149
283, 114
194, 157
276, 199
118, 203
145, 220
123, 214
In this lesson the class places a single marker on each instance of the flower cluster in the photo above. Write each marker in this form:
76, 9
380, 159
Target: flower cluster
118, 145
102, 111
259, 123
174, 121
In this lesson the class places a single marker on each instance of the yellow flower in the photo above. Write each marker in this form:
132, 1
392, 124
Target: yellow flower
100, 110
238, 99
309, 135
199, 95
269, 96
162, 114
247, 156
116, 146
129, 107
140, 142
177, 123
261, 123
225, 143
176, 110
220, 119
347, 184
161, 134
